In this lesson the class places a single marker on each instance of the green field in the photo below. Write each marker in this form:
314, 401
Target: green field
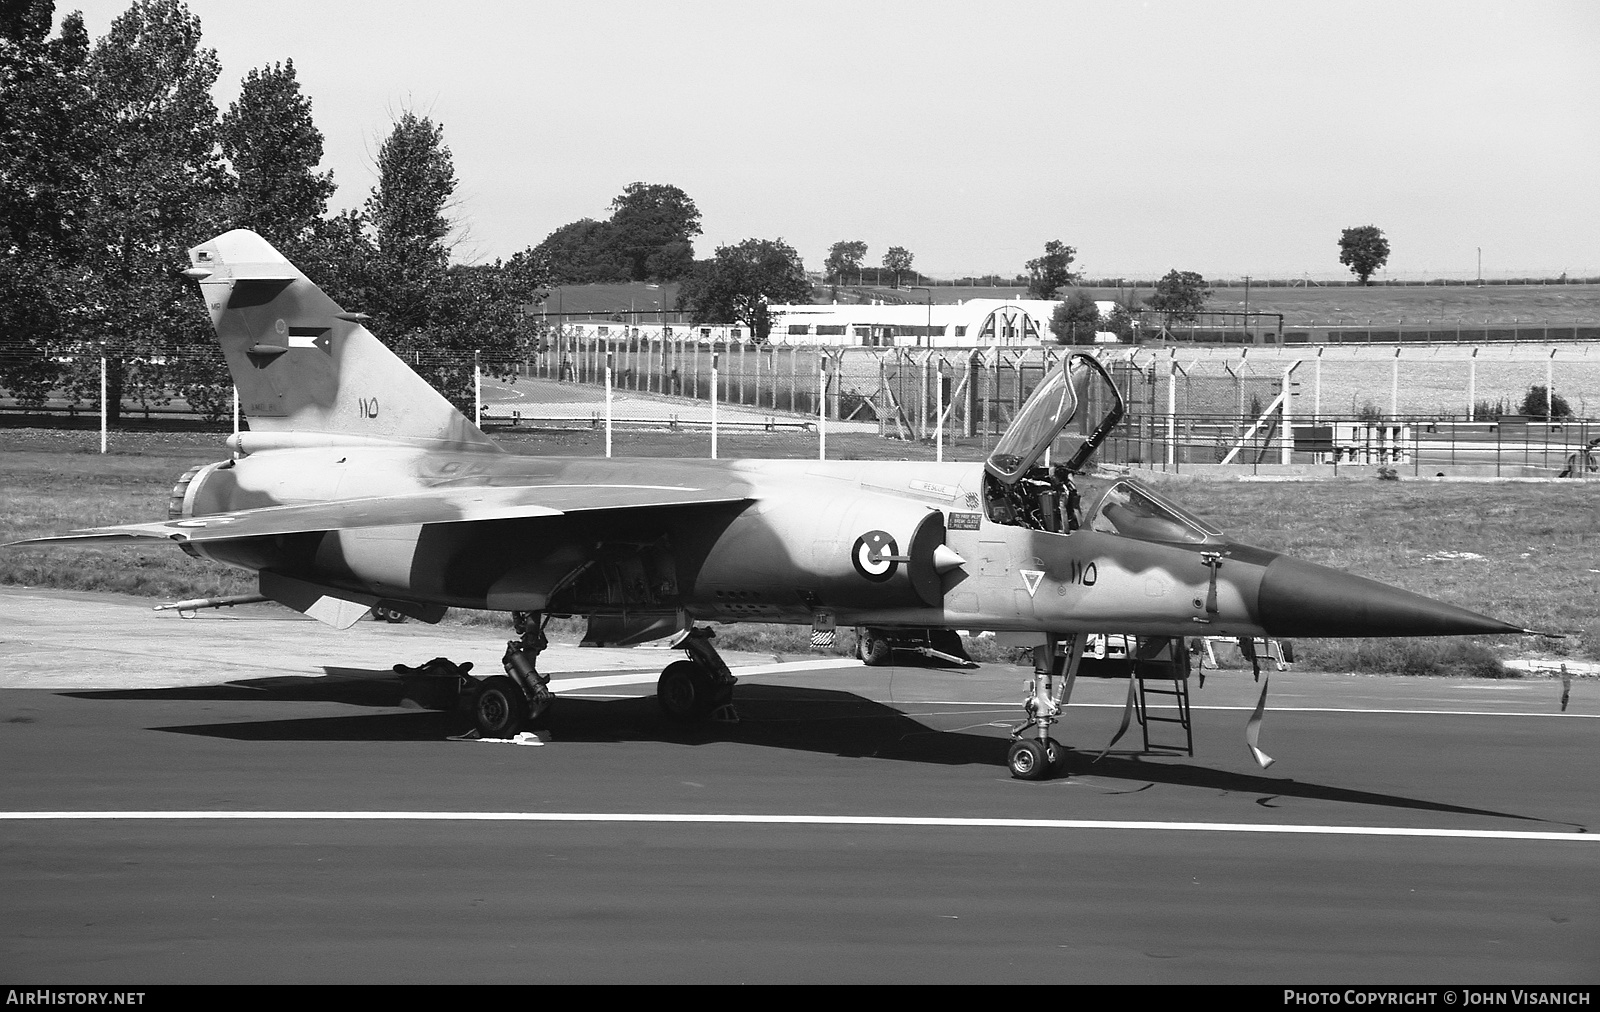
1557, 305
1529, 554
1416, 306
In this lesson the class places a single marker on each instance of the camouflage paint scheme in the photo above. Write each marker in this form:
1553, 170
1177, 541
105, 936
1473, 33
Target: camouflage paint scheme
358, 485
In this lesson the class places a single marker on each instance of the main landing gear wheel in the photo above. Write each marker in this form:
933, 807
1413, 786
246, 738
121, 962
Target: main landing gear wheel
686, 692
1031, 759
500, 709
875, 650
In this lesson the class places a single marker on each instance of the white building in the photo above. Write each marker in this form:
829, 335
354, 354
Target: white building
973, 323
970, 323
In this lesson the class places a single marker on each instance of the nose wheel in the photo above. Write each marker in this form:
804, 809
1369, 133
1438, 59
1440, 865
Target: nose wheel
1039, 756
1034, 758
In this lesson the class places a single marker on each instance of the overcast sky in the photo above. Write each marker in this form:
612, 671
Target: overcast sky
1226, 138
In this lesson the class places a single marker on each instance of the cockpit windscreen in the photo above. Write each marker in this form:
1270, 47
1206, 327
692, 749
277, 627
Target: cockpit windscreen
1133, 511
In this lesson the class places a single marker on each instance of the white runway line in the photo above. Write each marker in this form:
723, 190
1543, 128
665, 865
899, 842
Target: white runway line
801, 820
1270, 709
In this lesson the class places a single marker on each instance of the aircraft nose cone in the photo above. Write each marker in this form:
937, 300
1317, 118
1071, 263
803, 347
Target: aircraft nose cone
1303, 599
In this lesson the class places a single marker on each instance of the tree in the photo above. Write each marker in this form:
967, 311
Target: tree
479, 315
649, 237
268, 136
898, 260
1049, 273
582, 253
740, 282
406, 212
652, 229
1179, 296
1363, 249
51, 130
1540, 403
1120, 322
159, 187
1075, 320
844, 256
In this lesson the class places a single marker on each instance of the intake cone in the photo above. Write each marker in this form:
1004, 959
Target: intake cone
1303, 599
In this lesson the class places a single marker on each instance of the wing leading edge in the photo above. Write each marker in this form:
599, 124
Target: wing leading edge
436, 506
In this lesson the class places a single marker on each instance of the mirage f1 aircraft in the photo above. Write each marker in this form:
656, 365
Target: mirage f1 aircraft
358, 486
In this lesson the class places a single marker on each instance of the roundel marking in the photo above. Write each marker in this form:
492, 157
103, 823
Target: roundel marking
871, 556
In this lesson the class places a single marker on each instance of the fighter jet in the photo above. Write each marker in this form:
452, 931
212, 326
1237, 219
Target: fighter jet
358, 486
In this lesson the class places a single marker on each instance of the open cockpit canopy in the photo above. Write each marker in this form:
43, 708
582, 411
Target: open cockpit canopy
1078, 390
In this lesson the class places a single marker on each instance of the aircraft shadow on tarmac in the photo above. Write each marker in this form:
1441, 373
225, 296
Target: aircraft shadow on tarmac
789, 717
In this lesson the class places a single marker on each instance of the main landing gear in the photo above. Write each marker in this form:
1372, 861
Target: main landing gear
699, 688
504, 703
1038, 756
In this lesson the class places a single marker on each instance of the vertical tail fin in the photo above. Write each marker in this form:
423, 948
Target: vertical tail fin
304, 365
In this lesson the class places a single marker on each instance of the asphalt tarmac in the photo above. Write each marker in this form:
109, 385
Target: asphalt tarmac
244, 797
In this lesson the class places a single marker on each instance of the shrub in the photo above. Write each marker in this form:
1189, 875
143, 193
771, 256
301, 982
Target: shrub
1536, 402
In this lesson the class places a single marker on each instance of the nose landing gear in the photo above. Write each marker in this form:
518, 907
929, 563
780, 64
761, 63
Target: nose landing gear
1040, 756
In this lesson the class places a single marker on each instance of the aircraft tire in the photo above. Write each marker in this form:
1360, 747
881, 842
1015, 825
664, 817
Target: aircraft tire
685, 692
875, 650
1054, 755
500, 709
1027, 760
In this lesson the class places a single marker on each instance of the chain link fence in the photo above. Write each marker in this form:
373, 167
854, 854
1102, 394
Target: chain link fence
1183, 407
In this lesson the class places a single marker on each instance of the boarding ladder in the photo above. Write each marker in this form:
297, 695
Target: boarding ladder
1153, 663
1179, 694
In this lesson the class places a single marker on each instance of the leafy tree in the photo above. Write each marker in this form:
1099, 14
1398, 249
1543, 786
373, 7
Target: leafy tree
898, 260
844, 256
268, 136
1049, 273
50, 134
159, 188
406, 213
652, 229
392, 261
1120, 322
649, 236
1363, 249
1179, 296
740, 281
1075, 320
479, 314
1538, 403
582, 253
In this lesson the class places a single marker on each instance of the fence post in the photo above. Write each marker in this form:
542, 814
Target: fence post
822, 407
104, 410
1472, 388
1316, 397
608, 404
1286, 457
713, 399
1394, 386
